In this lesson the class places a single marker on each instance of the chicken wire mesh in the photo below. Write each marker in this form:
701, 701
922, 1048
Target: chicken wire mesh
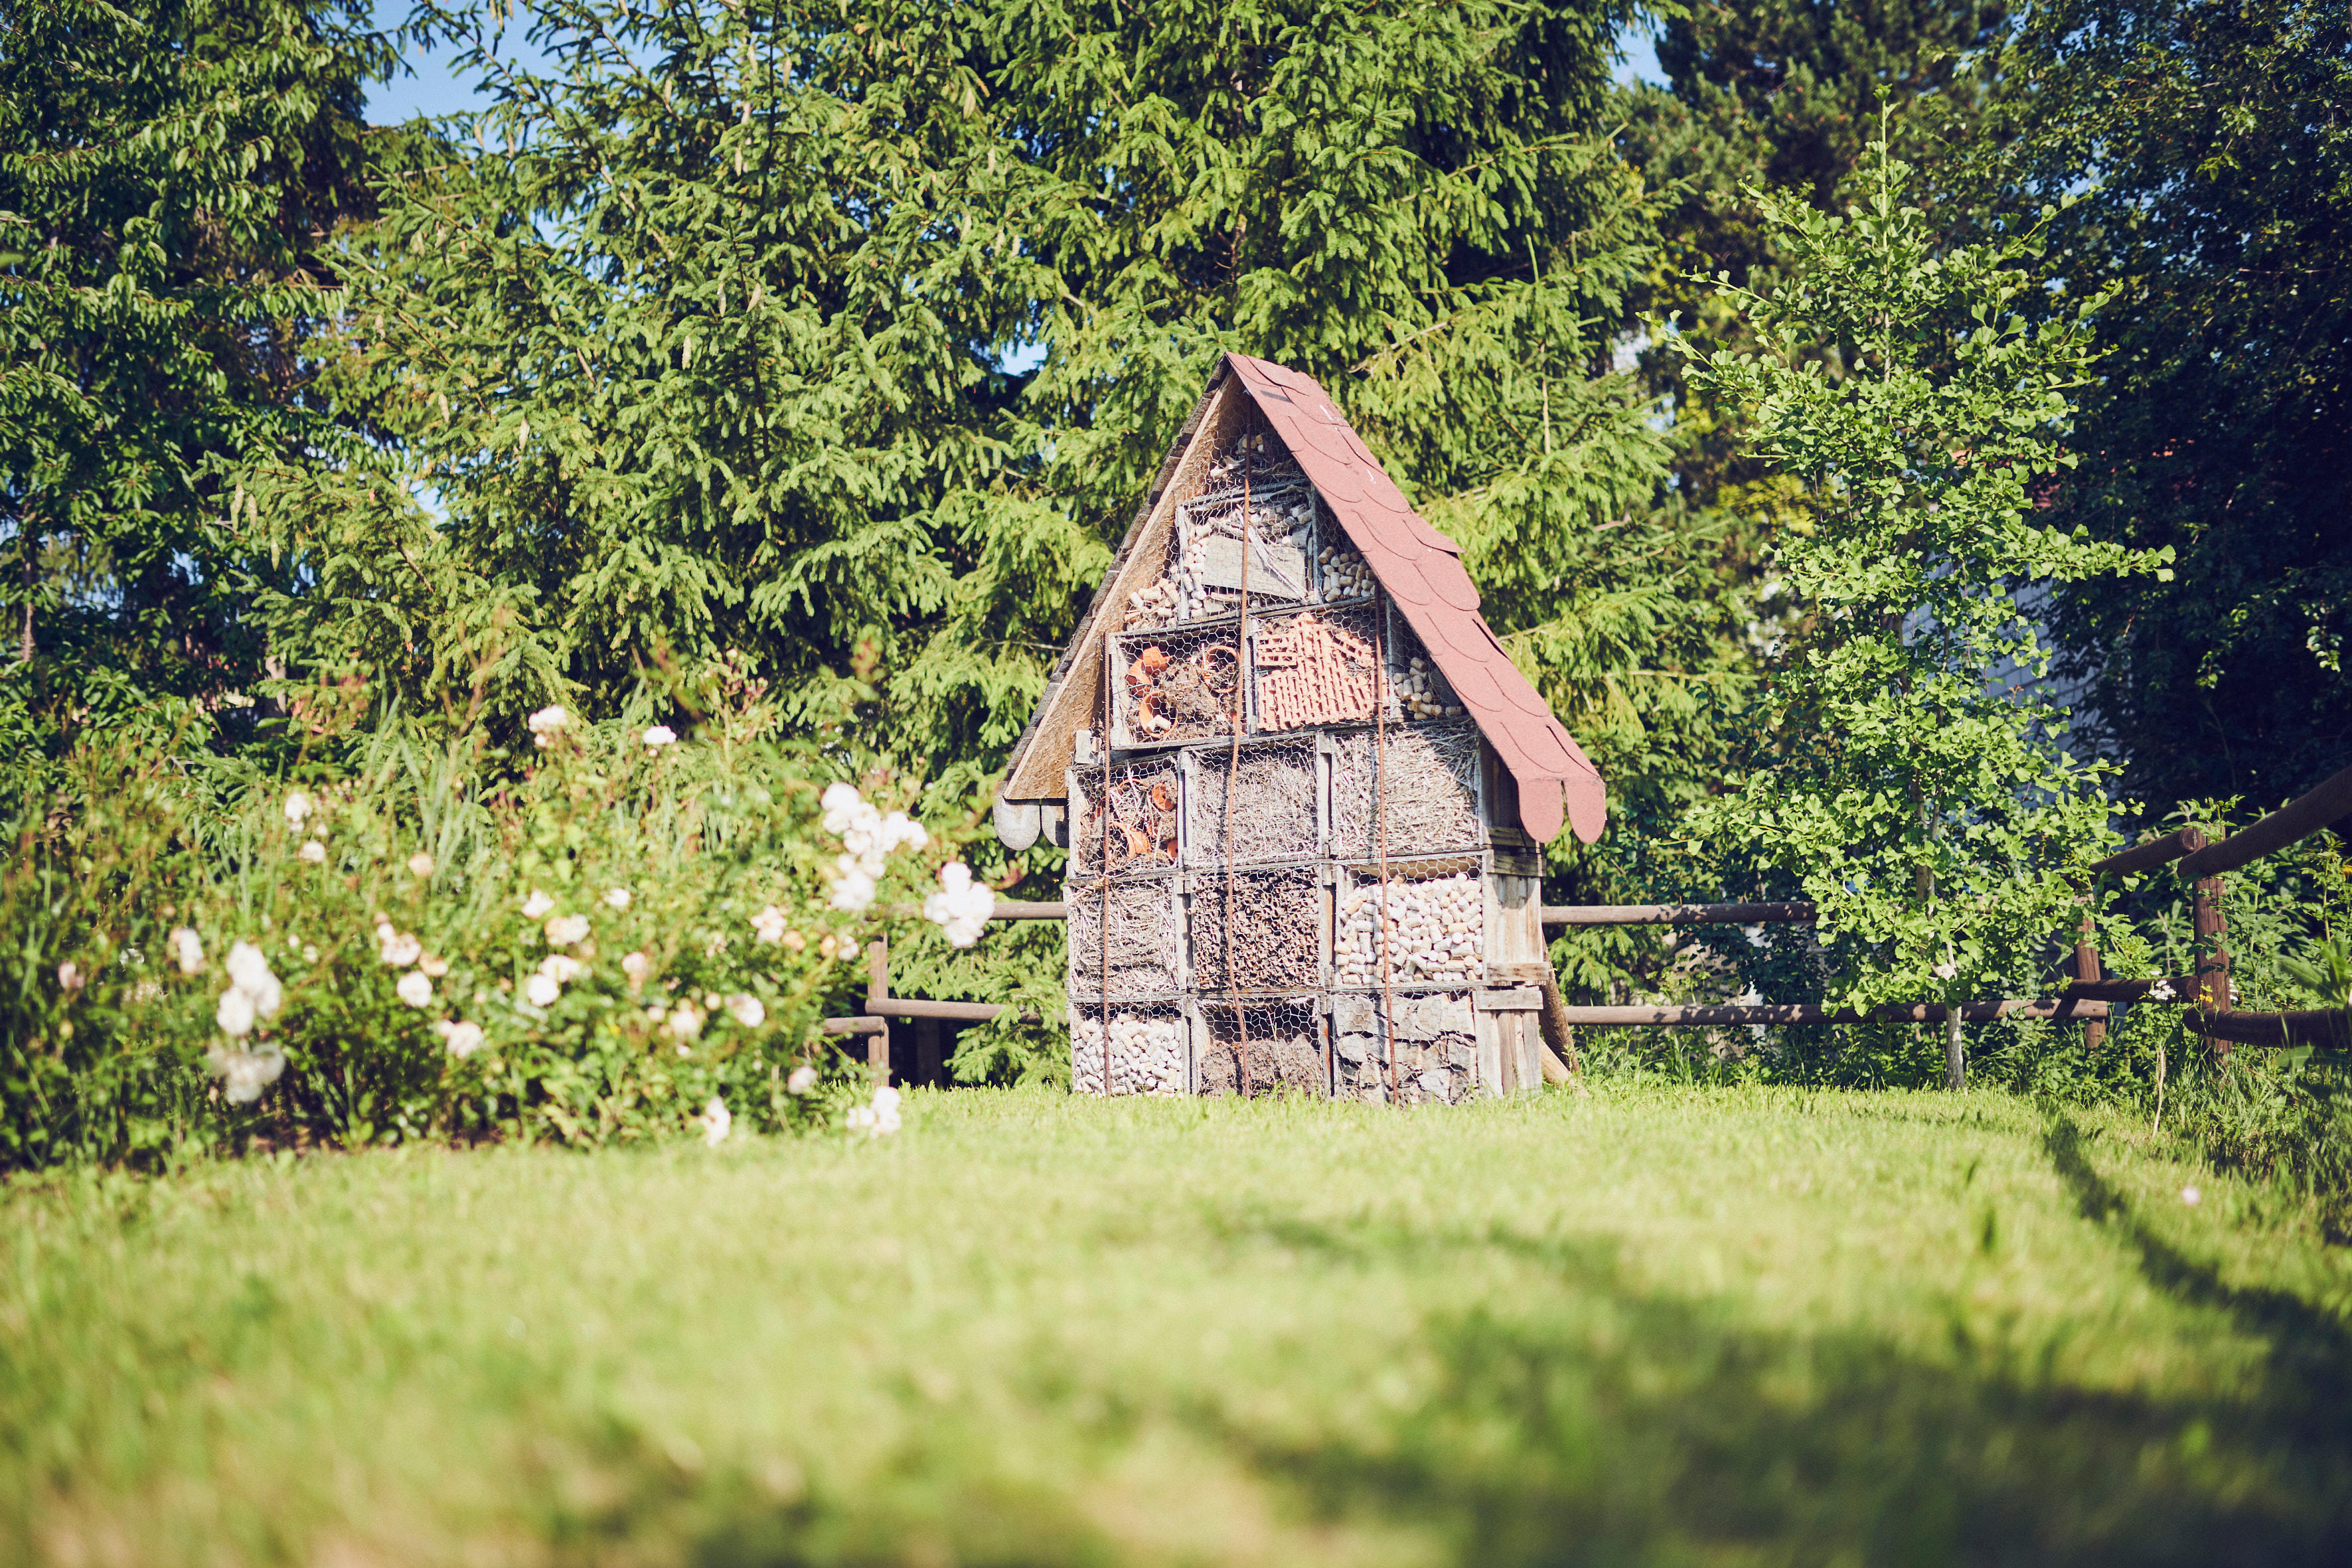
1436, 1049
1340, 570
1149, 1050
1143, 922
1141, 801
1319, 667
1421, 688
1432, 800
1436, 914
1179, 686
1200, 572
1277, 929
1276, 803
1259, 1048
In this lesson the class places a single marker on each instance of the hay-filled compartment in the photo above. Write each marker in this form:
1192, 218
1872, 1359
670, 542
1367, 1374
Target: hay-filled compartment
1436, 1057
1146, 926
1258, 1047
1178, 685
1432, 790
1276, 803
1144, 802
1435, 913
1151, 1051
1277, 929
1316, 668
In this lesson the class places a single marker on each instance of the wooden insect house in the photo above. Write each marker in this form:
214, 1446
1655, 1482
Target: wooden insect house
1302, 789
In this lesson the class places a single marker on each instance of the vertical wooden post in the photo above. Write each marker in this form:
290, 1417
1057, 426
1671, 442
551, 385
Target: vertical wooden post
878, 991
930, 1070
2086, 967
2213, 995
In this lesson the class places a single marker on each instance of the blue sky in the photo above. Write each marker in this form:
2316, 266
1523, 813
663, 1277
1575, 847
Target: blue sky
430, 88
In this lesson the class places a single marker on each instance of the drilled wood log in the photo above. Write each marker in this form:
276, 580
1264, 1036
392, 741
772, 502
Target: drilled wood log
2298, 818
1677, 914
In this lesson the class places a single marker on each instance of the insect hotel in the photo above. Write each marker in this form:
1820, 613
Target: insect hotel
1304, 791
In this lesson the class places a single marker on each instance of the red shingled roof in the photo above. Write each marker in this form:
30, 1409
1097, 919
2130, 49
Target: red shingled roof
1422, 570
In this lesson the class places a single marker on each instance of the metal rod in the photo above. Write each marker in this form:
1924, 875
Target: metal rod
1920, 1013
2299, 818
2154, 853
1233, 788
1677, 914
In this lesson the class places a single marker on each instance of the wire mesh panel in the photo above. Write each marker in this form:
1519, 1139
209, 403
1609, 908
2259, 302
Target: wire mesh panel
1421, 688
1277, 929
1261, 1047
1319, 667
1340, 572
1179, 686
1436, 922
1141, 801
1148, 1050
1436, 1048
1144, 943
1432, 800
1274, 812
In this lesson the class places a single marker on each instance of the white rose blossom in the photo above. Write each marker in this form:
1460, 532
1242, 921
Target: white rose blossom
398, 949
716, 1122
562, 968
415, 988
420, 864
565, 930
1947, 971
684, 1023
188, 948
536, 905
432, 966
546, 724
660, 735
878, 1119
867, 839
636, 966
801, 1079
253, 995
767, 925
541, 989
244, 1073
961, 907
312, 852
297, 807
747, 1009
464, 1038
616, 897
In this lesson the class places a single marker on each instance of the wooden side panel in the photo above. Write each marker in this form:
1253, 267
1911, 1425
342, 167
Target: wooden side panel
1075, 701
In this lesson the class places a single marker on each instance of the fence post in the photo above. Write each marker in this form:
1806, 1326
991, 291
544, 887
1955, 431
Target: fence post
2086, 967
878, 991
2212, 973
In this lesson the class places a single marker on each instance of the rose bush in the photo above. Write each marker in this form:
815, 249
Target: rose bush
600, 937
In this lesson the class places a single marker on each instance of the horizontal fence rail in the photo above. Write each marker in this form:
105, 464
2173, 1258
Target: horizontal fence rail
2298, 818
1677, 914
1733, 1015
2154, 853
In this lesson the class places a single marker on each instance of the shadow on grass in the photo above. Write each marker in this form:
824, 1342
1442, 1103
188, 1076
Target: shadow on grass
2310, 1365
1612, 1425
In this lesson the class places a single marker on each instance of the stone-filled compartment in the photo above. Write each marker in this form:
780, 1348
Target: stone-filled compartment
1436, 1047
1151, 1048
1259, 1048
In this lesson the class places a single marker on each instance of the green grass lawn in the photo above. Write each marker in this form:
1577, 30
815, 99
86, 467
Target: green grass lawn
1643, 1326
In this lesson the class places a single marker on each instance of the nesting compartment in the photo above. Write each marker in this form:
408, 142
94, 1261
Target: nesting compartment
1259, 1048
1432, 790
1143, 803
1277, 810
1434, 913
1436, 1047
1146, 945
1277, 929
1150, 1049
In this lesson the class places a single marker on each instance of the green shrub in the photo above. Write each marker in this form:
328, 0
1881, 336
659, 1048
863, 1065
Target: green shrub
599, 940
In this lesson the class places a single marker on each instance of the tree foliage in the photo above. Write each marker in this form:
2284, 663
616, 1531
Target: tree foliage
1914, 781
